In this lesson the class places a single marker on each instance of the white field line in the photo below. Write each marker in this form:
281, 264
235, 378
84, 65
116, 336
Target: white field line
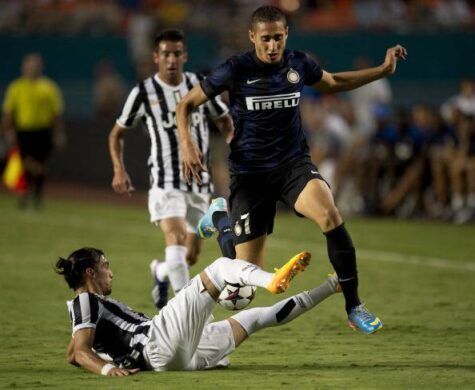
384, 257
147, 230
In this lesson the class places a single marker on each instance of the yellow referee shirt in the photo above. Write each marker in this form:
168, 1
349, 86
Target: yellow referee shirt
33, 104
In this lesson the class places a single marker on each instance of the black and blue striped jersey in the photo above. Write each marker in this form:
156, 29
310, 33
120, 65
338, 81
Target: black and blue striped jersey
264, 102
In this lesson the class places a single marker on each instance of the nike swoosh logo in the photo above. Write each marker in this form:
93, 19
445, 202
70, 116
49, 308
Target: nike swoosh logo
375, 322
316, 173
252, 81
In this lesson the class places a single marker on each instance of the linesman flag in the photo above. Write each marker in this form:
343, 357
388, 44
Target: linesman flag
14, 175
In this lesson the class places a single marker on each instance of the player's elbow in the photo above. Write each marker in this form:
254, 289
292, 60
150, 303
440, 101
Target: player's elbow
81, 357
71, 359
117, 132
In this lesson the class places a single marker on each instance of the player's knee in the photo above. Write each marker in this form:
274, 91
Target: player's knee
175, 237
330, 218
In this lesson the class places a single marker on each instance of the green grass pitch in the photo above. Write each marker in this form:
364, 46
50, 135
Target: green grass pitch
419, 277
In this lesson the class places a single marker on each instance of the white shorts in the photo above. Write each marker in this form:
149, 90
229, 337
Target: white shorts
190, 206
181, 337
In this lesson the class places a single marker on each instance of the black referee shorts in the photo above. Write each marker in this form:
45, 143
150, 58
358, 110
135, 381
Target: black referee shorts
254, 197
36, 144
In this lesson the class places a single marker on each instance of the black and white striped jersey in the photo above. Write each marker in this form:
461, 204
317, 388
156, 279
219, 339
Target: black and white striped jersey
154, 102
120, 332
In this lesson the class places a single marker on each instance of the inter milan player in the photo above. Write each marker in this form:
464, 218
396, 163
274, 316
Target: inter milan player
269, 158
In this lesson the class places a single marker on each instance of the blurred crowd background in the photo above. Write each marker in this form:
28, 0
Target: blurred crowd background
403, 146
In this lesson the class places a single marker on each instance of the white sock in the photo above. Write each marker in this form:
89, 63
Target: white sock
161, 271
224, 270
286, 310
178, 274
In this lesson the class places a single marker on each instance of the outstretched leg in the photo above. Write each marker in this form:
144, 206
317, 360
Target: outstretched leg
177, 329
221, 338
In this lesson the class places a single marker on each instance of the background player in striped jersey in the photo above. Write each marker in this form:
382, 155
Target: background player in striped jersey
270, 158
174, 205
110, 338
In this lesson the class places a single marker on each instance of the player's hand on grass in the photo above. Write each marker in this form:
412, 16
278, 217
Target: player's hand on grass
116, 371
121, 183
393, 54
192, 162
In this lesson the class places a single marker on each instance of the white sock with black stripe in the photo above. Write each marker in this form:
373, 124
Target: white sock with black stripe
286, 310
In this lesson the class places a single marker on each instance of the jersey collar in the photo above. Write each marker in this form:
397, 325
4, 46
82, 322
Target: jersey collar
163, 84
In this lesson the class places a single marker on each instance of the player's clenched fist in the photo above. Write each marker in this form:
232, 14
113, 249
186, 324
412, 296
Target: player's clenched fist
392, 55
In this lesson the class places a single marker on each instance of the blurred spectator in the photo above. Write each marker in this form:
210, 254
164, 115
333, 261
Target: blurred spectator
411, 158
32, 118
384, 14
463, 103
452, 13
441, 155
328, 133
111, 16
367, 103
367, 99
463, 171
109, 91
141, 25
376, 161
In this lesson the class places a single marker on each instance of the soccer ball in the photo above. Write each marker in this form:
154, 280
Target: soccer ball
236, 297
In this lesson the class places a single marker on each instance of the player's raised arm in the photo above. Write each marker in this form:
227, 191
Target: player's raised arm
192, 158
84, 356
345, 81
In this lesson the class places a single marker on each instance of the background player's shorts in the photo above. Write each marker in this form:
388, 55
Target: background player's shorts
181, 337
254, 197
164, 204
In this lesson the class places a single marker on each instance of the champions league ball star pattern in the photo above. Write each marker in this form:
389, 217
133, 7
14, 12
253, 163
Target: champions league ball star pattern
236, 297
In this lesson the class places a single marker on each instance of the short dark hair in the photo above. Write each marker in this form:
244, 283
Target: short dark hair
172, 35
267, 13
76, 263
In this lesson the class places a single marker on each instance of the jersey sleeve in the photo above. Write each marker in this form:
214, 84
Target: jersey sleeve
216, 107
133, 109
85, 311
313, 72
219, 80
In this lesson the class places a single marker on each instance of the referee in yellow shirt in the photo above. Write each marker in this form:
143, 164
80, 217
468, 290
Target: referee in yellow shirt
32, 118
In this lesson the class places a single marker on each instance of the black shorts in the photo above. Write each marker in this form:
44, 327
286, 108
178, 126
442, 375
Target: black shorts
254, 197
36, 144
